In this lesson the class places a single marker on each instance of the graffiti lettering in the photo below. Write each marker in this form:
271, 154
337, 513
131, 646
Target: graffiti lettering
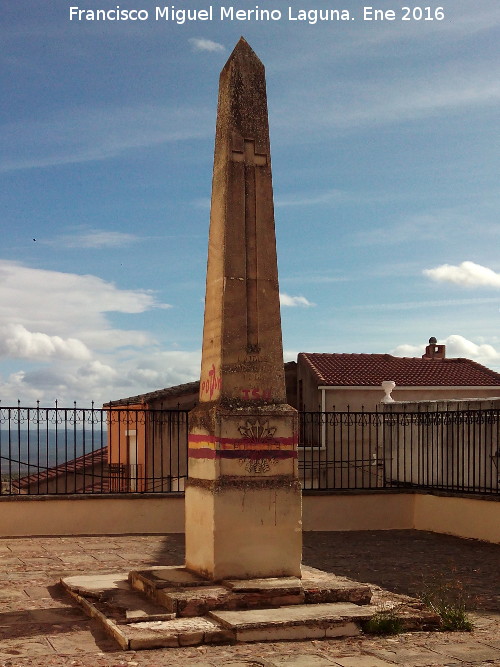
255, 393
213, 383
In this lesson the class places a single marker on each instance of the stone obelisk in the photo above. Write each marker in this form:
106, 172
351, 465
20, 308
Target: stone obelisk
243, 498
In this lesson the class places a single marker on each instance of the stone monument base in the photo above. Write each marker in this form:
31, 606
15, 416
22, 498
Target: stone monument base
244, 528
166, 607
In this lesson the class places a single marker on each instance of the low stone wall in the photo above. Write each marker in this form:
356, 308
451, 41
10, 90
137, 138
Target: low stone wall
91, 515
361, 511
477, 518
469, 517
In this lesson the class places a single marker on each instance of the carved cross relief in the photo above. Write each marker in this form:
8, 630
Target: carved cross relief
251, 161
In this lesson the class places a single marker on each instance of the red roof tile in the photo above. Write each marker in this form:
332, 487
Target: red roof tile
371, 369
96, 459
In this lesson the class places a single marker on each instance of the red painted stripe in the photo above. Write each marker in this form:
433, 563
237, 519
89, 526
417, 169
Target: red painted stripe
292, 440
205, 453
257, 454
202, 453
194, 437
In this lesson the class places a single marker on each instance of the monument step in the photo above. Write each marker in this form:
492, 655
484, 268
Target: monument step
167, 576
113, 596
320, 586
186, 594
309, 621
285, 623
230, 611
175, 633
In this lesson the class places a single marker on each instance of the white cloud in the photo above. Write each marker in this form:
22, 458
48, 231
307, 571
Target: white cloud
17, 342
425, 226
314, 278
57, 341
328, 197
456, 346
362, 103
287, 300
86, 134
100, 380
165, 368
408, 350
415, 305
290, 355
201, 202
467, 274
201, 44
64, 304
95, 239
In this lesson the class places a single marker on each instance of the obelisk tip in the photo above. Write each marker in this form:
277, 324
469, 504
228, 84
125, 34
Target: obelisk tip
243, 50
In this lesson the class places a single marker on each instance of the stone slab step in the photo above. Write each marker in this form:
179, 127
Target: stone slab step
175, 633
146, 634
180, 592
320, 586
95, 585
274, 585
112, 595
216, 613
191, 600
310, 621
167, 576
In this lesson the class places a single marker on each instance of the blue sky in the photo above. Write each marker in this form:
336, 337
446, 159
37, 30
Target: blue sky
385, 150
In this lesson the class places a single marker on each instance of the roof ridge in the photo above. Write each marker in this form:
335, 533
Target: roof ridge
67, 467
370, 369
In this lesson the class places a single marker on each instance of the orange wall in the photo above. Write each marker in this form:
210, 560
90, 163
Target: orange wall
121, 422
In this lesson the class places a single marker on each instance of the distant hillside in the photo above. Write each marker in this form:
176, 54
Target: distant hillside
25, 451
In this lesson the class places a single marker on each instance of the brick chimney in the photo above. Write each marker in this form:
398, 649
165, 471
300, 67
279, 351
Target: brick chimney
434, 351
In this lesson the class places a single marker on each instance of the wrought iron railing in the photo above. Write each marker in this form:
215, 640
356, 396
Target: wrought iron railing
454, 450
118, 449
124, 449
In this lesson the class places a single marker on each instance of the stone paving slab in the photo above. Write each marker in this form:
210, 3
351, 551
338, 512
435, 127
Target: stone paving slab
467, 651
11, 648
362, 555
410, 657
361, 661
55, 615
9, 561
492, 643
302, 660
80, 641
79, 559
44, 592
9, 593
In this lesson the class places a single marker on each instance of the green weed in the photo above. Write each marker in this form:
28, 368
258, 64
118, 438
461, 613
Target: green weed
384, 623
447, 597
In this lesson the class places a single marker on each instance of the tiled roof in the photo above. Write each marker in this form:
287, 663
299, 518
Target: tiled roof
356, 370
96, 459
168, 392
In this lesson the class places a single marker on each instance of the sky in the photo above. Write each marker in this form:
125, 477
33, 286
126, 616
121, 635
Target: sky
385, 157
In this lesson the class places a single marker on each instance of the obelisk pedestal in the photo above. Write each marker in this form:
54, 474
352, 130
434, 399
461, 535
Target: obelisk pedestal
243, 497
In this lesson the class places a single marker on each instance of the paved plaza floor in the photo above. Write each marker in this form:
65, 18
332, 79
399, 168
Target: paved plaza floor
40, 626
